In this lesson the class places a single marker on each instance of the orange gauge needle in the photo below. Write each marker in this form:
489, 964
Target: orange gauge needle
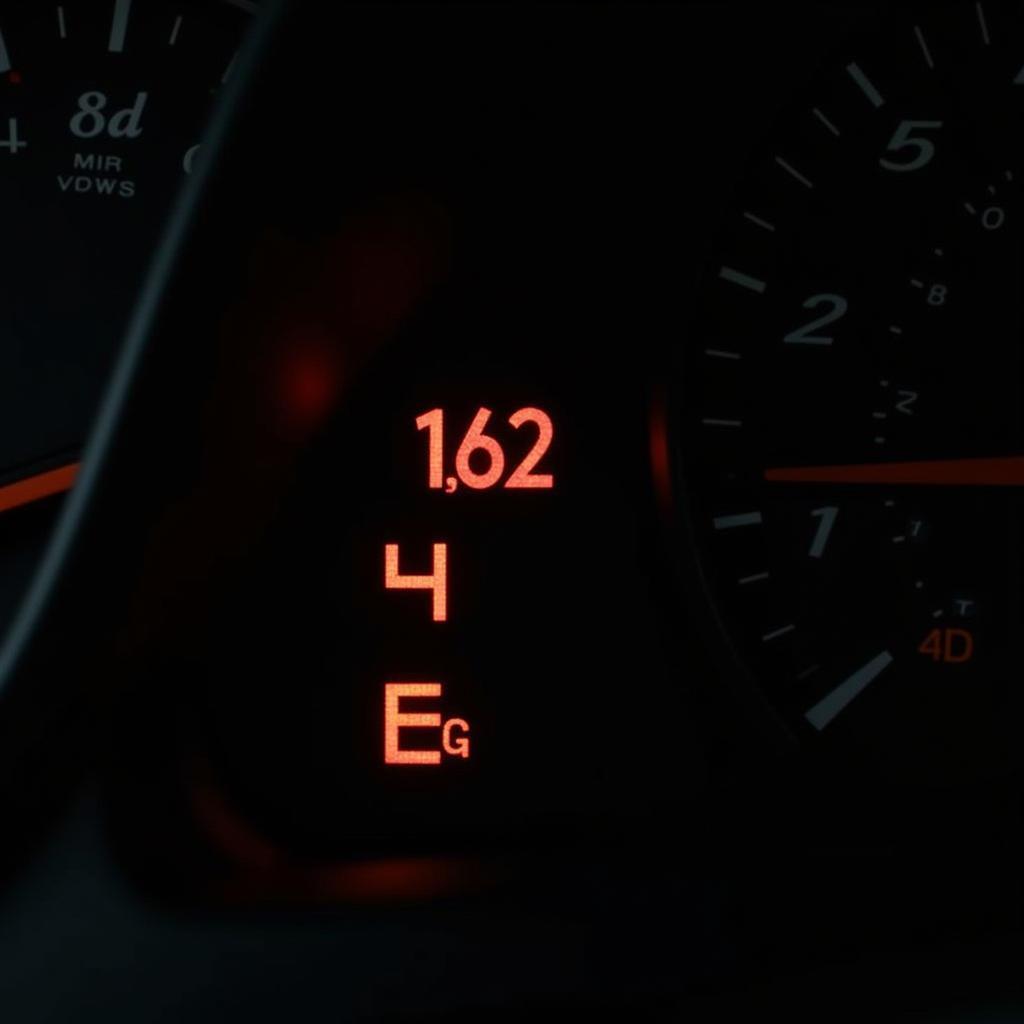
38, 486
1006, 471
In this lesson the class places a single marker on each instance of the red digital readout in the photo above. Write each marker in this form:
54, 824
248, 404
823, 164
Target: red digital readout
480, 459
477, 441
395, 720
479, 464
454, 732
434, 422
437, 582
524, 477
459, 746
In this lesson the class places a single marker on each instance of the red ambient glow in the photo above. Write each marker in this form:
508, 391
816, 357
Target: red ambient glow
309, 380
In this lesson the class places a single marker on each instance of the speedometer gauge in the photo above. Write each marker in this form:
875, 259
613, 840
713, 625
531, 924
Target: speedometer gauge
102, 107
848, 415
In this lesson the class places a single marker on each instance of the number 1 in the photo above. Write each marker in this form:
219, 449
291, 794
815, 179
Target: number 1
433, 421
828, 520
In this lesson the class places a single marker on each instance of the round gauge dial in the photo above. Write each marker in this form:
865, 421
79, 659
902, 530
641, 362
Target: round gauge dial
848, 414
102, 106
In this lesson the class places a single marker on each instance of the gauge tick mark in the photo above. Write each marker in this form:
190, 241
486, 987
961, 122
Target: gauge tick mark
738, 521
983, 24
760, 577
760, 222
866, 85
790, 169
824, 712
924, 47
743, 280
5, 57
777, 634
119, 27
826, 122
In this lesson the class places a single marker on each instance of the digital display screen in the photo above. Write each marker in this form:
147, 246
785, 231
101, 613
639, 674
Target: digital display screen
527, 444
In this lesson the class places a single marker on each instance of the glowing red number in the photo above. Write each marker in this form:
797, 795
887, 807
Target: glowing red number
476, 440
437, 582
434, 422
524, 478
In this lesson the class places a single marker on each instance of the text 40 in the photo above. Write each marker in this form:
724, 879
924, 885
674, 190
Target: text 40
480, 459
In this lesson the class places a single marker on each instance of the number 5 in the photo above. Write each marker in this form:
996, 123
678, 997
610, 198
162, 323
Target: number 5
905, 139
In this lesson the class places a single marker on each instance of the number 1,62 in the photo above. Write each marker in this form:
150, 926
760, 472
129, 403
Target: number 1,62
480, 459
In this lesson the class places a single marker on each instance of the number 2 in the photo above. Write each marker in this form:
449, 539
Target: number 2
524, 478
806, 335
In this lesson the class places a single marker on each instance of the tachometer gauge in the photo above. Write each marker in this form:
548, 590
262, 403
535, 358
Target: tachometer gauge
102, 106
848, 415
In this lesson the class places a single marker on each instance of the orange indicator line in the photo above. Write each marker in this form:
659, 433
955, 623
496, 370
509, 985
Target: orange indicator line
38, 487
1007, 471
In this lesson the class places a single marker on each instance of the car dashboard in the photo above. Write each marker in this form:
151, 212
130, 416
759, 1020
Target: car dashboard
511, 508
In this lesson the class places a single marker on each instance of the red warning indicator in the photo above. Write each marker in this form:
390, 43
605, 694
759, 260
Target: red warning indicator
454, 733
